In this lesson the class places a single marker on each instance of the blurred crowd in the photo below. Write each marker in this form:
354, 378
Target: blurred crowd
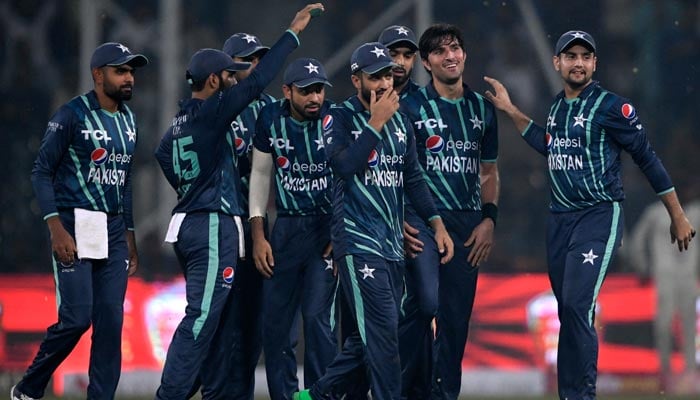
648, 52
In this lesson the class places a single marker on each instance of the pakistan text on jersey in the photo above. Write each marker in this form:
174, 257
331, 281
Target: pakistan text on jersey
565, 162
294, 184
109, 176
383, 178
453, 164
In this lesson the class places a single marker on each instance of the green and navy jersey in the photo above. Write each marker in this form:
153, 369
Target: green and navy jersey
240, 139
195, 155
583, 141
452, 138
302, 175
370, 170
85, 159
410, 88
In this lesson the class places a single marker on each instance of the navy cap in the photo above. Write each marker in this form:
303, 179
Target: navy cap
114, 54
211, 61
571, 38
396, 34
370, 58
243, 44
303, 72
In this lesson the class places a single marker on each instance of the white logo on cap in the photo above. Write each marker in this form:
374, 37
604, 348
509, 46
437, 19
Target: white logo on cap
311, 67
249, 38
578, 35
402, 31
124, 49
353, 66
378, 52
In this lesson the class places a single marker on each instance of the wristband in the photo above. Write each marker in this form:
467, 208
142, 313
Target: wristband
489, 210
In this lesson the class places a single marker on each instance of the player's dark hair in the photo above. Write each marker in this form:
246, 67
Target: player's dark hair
199, 85
438, 35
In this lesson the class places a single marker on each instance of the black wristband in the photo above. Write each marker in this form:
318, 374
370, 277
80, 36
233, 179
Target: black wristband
489, 210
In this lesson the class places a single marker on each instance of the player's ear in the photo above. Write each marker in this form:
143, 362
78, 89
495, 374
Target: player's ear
287, 91
213, 81
555, 62
356, 80
426, 65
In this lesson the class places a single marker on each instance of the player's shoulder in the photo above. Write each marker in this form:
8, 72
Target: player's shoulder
615, 106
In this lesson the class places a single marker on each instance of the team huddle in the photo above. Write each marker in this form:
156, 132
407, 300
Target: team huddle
385, 205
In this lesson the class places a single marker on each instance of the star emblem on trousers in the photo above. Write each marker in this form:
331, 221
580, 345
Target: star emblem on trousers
367, 272
589, 257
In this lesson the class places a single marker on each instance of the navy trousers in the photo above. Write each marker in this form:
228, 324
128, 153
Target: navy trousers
89, 293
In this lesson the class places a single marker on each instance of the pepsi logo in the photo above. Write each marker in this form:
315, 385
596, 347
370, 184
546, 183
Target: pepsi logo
327, 122
227, 274
548, 140
628, 111
240, 146
283, 163
373, 158
434, 143
98, 156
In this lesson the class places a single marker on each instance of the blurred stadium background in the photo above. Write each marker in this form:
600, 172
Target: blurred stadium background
648, 51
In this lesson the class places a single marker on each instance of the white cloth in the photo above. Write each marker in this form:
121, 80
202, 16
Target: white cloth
91, 235
174, 227
241, 236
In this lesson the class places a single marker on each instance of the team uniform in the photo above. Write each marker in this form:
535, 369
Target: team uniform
198, 162
582, 142
303, 279
84, 163
370, 172
453, 138
242, 324
410, 88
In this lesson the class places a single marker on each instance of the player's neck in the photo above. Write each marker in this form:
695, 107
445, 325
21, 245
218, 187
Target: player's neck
449, 90
106, 102
572, 92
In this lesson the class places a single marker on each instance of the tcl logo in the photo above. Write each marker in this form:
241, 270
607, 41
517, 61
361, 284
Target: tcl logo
431, 123
96, 134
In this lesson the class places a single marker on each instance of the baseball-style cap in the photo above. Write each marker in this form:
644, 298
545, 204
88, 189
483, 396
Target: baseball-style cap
303, 72
396, 34
243, 44
211, 61
114, 54
571, 38
370, 58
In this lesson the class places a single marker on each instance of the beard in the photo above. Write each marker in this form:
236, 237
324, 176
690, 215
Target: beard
577, 83
400, 79
366, 94
304, 112
118, 94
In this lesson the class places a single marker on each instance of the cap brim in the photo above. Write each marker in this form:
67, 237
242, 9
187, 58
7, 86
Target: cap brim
239, 66
376, 67
253, 51
308, 82
133, 60
409, 43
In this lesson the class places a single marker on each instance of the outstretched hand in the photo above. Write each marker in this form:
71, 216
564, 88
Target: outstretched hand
302, 18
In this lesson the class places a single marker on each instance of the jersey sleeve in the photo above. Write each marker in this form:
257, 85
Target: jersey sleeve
622, 122
54, 145
261, 140
489, 142
535, 136
346, 156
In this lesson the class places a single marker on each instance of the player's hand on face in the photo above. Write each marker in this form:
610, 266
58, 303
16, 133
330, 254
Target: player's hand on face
302, 18
262, 256
383, 108
499, 97
411, 244
481, 241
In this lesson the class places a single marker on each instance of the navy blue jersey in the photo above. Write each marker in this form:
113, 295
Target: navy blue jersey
302, 176
409, 88
452, 138
582, 143
240, 138
194, 154
85, 159
370, 170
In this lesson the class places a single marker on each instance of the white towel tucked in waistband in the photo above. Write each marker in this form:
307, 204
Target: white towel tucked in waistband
174, 227
91, 235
